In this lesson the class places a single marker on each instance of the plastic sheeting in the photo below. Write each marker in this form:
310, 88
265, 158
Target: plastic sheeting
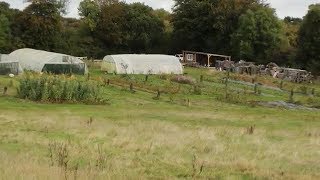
141, 64
9, 65
35, 60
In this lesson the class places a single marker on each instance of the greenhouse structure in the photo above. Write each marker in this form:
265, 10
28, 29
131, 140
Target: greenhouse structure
9, 65
43, 61
141, 64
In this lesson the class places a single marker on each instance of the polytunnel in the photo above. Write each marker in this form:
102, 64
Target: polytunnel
141, 64
43, 61
9, 65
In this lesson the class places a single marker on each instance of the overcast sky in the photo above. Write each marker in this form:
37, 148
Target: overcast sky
295, 8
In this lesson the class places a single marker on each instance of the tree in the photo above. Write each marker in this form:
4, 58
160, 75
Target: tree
207, 25
4, 33
39, 25
8, 42
309, 40
144, 28
259, 35
89, 10
111, 26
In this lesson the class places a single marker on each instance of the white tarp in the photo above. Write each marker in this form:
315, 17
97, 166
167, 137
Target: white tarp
34, 60
142, 64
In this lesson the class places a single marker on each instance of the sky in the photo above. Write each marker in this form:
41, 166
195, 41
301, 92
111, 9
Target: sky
294, 8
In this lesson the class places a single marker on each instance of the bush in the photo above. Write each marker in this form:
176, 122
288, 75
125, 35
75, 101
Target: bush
48, 88
183, 79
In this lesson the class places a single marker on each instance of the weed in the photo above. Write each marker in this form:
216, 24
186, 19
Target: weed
89, 122
197, 89
250, 129
101, 159
196, 168
158, 95
303, 89
10, 83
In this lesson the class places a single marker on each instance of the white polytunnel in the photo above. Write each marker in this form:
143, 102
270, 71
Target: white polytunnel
9, 65
43, 61
141, 64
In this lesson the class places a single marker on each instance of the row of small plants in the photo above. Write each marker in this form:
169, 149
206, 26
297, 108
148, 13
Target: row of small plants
57, 89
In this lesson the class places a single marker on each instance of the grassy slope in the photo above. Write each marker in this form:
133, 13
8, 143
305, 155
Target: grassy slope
137, 137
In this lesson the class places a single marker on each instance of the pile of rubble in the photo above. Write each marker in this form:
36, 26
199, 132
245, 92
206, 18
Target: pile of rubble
272, 69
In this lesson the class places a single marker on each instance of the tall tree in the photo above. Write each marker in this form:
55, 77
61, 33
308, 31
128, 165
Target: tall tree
89, 11
207, 25
6, 20
39, 25
144, 28
259, 36
309, 40
4, 33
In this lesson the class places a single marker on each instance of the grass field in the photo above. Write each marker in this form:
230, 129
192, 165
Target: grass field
184, 134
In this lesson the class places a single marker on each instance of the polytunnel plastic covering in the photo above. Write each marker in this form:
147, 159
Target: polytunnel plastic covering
141, 64
40, 61
9, 65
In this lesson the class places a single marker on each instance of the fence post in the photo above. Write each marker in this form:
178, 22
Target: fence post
5, 89
131, 87
88, 77
227, 80
281, 84
291, 95
201, 78
255, 88
313, 91
158, 94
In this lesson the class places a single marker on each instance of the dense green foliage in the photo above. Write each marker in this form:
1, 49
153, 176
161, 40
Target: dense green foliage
309, 40
244, 29
48, 88
259, 35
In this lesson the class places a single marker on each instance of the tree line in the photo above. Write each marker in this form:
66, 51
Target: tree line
245, 29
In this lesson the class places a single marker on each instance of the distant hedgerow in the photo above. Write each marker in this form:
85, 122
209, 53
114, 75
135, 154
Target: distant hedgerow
57, 89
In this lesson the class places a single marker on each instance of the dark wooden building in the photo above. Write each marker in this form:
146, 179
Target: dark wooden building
203, 59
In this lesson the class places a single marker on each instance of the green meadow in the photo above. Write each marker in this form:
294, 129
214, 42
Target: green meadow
157, 127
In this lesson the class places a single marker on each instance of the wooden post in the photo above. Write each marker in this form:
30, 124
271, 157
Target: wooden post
88, 77
184, 56
255, 88
5, 89
291, 95
158, 94
227, 79
131, 86
313, 91
208, 60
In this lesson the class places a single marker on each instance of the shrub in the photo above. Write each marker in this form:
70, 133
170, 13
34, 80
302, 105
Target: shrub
183, 80
48, 88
